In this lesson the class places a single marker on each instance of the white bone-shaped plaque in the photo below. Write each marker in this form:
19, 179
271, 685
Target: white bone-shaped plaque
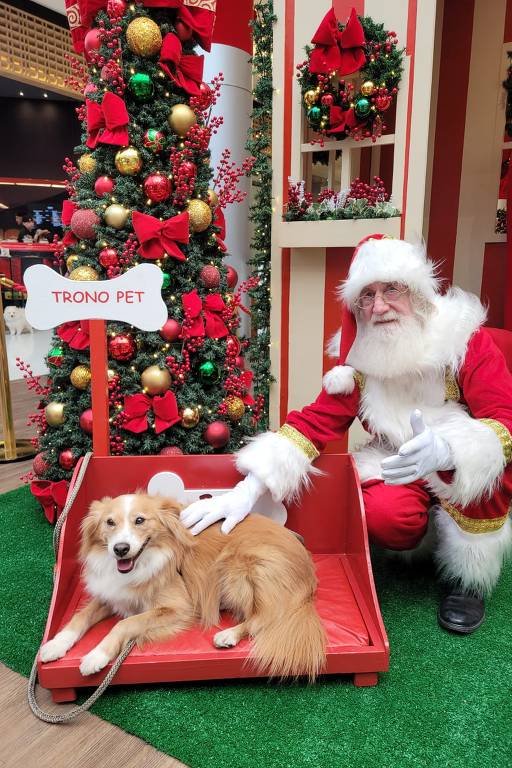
171, 484
134, 297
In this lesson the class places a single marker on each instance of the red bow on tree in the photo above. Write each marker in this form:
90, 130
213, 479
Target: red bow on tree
186, 71
340, 52
136, 408
199, 15
245, 381
51, 495
158, 238
68, 209
212, 325
107, 123
75, 334
220, 222
340, 119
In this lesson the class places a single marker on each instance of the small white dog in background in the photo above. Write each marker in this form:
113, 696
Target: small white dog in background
16, 321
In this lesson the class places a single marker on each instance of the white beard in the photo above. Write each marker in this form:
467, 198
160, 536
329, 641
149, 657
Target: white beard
389, 349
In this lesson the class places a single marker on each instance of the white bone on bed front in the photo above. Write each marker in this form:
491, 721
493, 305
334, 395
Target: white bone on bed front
170, 484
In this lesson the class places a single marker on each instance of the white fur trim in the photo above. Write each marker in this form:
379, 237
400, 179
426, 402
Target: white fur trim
388, 261
339, 380
277, 463
368, 460
332, 348
478, 459
457, 316
472, 560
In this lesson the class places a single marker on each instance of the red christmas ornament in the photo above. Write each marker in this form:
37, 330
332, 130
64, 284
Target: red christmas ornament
83, 222
104, 185
171, 450
116, 8
240, 362
171, 330
108, 257
205, 97
187, 169
121, 347
327, 99
382, 103
157, 187
232, 277
90, 88
210, 276
92, 42
67, 460
40, 465
183, 31
217, 434
233, 346
85, 421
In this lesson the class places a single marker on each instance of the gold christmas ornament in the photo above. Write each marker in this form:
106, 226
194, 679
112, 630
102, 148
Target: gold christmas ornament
54, 414
80, 376
310, 98
71, 259
116, 215
155, 380
87, 163
235, 407
213, 198
190, 417
367, 88
200, 215
143, 36
83, 273
181, 118
128, 161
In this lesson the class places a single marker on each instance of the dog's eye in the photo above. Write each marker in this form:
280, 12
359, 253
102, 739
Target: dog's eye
140, 520
110, 522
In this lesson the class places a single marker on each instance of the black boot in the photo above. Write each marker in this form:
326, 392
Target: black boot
461, 612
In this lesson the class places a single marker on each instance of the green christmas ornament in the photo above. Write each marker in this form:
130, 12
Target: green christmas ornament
154, 140
166, 281
55, 357
141, 86
362, 107
314, 115
209, 372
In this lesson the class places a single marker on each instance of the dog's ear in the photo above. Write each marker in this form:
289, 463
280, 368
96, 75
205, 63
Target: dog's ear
169, 515
91, 523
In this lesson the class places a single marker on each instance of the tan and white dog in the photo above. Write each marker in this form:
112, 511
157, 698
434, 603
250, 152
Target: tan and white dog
141, 563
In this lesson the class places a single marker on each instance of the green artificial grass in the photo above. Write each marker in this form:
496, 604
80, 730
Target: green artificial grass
446, 701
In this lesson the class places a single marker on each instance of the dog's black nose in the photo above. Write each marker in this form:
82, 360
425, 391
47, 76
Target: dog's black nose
121, 549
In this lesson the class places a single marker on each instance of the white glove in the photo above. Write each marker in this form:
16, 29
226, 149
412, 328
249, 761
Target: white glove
234, 506
425, 453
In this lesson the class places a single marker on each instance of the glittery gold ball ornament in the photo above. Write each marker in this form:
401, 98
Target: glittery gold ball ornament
190, 417
80, 376
200, 215
87, 163
116, 215
367, 88
128, 161
54, 414
143, 36
310, 98
213, 198
181, 118
155, 380
235, 407
84, 273
71, 259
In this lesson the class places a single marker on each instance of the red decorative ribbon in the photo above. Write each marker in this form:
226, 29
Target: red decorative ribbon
245, 380
220, 222
186, 71
158, 238
340, 119
209, 323
51, 495
340, 52
75, 334
199, 16
136, 408
68, 209
107, 123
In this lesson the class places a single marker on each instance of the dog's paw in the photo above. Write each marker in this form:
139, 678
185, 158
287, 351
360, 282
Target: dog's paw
93, 662
227, 638
58, 647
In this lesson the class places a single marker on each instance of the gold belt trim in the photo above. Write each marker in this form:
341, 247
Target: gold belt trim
360, 380
451, 388
470, 525
298, 439
503, 434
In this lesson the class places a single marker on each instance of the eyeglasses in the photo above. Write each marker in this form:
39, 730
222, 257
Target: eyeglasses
391, 293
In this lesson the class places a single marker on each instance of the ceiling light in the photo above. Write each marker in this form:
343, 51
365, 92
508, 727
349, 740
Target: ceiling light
21, 93
45, 95
3, 205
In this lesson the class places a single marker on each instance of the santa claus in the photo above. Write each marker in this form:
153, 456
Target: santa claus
434, 393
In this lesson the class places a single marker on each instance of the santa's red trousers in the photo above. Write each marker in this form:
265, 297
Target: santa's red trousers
397, 515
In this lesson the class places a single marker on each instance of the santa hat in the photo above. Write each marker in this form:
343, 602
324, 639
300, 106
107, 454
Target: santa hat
377, 258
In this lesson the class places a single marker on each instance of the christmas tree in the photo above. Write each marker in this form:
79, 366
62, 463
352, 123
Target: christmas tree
143, 189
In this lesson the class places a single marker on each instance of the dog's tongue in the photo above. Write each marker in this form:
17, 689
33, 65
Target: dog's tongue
125, 566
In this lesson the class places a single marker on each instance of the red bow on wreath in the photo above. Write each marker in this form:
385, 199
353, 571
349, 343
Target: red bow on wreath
51, 495
186, 71
340, 119
212, 308
107, 123
199, 15
220, 222
340, 52
158, 238
75, 334
136, 408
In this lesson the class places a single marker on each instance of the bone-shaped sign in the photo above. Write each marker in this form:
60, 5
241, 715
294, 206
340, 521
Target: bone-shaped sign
134, 297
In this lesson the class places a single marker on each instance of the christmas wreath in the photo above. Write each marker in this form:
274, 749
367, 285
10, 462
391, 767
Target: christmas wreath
339, 106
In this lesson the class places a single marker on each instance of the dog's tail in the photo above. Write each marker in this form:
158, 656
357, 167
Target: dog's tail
291, 644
